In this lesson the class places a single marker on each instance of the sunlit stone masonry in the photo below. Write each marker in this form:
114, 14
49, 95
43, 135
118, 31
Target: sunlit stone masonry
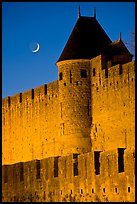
74, 139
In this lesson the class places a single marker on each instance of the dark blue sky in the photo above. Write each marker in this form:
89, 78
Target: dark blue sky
50, 24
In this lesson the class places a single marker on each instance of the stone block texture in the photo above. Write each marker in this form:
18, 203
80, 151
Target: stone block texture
73, 139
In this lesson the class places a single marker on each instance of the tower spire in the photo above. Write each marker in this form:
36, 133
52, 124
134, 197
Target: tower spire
120, 36
78, 11
94, 12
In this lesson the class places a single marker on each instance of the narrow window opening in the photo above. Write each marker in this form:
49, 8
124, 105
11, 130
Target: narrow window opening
81, 191
37, 169
106, 73
120, 69
45, 89
94, 71
65, 84
21, 172
56, 166
61, 192
85, 168
32, 93
116, 190
65, 169
96, 162
70, 77
60, 76
83, 73
9, 101
5, 174
104, 190
44, 196
121, 160
92, 190
128, 189
20, 97
62, 129
88, 108
75, 164
47, 170
71, 191
61, 108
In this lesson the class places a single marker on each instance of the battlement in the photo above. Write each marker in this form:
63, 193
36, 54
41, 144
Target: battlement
95, 176
110, 76
33, 95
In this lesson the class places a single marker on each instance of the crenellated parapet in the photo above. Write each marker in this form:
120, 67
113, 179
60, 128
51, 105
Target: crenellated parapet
33, 95
94, 176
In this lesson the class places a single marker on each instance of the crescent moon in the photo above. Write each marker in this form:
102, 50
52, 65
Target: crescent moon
37, 49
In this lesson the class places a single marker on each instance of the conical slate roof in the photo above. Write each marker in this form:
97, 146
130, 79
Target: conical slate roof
86, 41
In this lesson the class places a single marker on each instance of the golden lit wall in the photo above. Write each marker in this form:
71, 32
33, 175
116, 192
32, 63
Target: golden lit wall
30, 126
113, 106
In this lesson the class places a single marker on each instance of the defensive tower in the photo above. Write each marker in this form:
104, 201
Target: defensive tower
86, 41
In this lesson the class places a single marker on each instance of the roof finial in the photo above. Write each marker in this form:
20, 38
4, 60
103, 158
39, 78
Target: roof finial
120, 36
78, 11
94, 12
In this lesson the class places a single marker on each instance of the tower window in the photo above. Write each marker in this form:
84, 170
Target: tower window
121, 160
94, 71
37, 169
104, 190
96, 162
75, 164
60, 76
83, 73
55, 166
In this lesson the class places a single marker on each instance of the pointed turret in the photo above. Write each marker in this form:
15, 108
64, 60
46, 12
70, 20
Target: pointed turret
86, 40
120, 37
94, 12
79, 12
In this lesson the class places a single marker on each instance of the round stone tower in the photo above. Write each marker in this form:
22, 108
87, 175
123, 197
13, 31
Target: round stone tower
85, 42
75, 109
